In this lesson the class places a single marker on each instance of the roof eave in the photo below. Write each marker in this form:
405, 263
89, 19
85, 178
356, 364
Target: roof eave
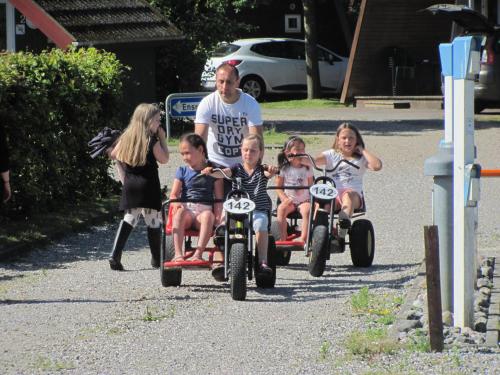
91, 43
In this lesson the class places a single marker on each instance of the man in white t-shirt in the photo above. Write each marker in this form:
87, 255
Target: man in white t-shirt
223, 118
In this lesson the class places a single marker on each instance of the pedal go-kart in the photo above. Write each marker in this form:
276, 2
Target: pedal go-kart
236, 244
325, 234
284, 248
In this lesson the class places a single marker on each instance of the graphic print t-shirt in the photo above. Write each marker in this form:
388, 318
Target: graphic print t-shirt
227, 125
346, 176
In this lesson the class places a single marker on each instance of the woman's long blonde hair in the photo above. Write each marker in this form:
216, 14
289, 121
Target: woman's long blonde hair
132, 147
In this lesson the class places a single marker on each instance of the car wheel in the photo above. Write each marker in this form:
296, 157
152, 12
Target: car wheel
479, 107
253, 86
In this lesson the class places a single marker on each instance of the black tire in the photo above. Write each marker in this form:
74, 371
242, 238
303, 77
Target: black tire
264, 281
254, 86
317, 257
282, 258
362, 243
479, 107
169, 276
237, 273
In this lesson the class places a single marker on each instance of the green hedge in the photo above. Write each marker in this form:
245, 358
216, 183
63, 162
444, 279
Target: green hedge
51, 105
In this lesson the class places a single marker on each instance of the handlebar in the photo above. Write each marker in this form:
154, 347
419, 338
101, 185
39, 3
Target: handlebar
311, 159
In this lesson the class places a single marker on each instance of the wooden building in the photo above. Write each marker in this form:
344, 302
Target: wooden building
132, 29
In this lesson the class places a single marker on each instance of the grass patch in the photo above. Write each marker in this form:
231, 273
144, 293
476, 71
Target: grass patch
303, 103
373, 341
47, 364
324, 350
153, 315
39, 228
381, 308
419, 342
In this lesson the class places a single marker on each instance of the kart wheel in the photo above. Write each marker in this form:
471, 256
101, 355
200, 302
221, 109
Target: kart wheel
169, 276
282, 258
265, 281
362, 243
319, 247
238, 275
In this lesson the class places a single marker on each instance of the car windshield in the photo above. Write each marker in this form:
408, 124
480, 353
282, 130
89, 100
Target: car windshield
225, 49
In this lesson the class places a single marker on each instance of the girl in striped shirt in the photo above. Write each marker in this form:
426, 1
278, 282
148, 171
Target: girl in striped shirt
254, 176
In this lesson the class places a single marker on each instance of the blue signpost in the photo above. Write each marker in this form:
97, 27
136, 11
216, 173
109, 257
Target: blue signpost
182, 105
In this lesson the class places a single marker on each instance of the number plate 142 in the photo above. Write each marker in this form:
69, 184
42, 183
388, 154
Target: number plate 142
323, 191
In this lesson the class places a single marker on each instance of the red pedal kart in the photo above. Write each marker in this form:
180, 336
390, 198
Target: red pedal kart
284, 248
171, 272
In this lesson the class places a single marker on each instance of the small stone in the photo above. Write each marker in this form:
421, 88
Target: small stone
485, 291
418, 303
467, 331
487, 272
447, 318
483, 282
480, 314
449, 340
488, 262
406, 325
480, 324
482, 301
414, 315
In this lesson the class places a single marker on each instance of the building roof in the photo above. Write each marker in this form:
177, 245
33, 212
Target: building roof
94, 22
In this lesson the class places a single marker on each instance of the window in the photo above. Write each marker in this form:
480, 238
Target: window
225, 49
271, 49
293, 23
324, 55
295, 50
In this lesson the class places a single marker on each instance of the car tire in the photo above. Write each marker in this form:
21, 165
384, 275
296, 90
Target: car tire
254, 86
479, 107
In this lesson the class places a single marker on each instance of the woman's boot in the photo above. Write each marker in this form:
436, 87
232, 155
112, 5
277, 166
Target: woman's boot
121, 238
154, 238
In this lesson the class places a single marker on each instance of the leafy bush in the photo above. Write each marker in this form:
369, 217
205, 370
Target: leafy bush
51, 105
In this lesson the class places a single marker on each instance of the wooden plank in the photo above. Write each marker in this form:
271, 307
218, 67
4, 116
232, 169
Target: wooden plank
433, 288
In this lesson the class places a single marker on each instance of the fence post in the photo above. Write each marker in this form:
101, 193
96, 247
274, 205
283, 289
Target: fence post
433, 287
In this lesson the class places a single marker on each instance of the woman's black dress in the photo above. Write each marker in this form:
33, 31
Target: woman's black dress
141, 186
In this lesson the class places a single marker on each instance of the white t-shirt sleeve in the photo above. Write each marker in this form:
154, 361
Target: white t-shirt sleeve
254, 113
203, 112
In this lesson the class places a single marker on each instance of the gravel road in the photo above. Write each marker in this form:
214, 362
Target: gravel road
63, 311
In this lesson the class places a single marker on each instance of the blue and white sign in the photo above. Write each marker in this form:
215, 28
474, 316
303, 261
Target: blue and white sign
182, 105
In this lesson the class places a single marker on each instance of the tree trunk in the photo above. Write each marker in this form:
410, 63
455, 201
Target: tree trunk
312, 69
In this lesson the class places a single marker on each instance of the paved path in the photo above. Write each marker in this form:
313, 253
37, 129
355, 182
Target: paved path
62, 310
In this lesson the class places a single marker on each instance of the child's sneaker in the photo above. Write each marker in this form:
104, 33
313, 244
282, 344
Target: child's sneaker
344, 224
344, 220
265, 269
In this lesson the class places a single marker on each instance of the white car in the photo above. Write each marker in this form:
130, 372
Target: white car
274, 65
